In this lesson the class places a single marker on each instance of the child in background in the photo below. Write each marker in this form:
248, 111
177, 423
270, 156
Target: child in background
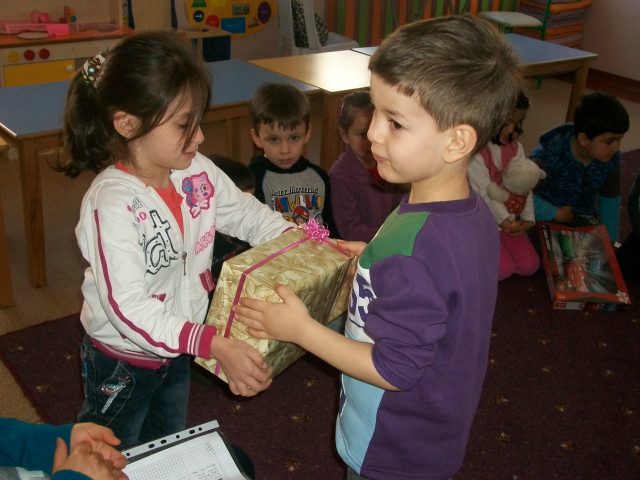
226, 246
72, 452
582, 162
285, 180
517, 254
365, 199
629, 252
147, 227
416, 345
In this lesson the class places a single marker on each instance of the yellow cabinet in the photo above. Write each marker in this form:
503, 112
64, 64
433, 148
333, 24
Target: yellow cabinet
15, 75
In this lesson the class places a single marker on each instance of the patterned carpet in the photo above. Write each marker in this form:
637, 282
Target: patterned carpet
561, 399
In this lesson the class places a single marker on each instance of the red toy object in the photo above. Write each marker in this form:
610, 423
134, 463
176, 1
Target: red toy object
581, 268
15, 27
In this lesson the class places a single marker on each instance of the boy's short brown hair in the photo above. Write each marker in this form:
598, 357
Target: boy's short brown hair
279, 104
459, 69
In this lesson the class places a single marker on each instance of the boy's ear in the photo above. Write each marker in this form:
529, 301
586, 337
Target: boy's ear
583, 140
256, 138
307, 135
462, 141
343, 134
125, 124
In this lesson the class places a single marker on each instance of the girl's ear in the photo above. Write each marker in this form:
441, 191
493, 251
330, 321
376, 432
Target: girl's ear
462, 141
256, 138
125, 124
343, 134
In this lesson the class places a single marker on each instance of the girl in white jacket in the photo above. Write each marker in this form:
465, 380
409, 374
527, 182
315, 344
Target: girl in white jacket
147, 226
517, 253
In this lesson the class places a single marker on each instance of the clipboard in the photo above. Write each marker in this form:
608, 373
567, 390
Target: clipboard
196, 453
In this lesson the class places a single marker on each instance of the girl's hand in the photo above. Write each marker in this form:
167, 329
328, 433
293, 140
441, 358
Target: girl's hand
506, 225
520, 227
245, 368
278, 321
101, 440
84, 459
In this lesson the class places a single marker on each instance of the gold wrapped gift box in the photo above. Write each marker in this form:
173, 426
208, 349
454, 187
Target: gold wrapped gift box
315, 270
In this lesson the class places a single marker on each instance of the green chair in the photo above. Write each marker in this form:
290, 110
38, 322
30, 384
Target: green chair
507, 21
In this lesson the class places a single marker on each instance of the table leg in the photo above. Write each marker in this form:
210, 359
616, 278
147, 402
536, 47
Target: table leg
33, 218
579, 82
6, 289
332, 145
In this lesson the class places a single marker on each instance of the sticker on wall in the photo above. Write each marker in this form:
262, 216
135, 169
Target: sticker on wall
198, 16
241, 18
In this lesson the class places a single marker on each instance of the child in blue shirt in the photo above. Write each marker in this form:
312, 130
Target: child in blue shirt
416, 343
74, 452
582, 162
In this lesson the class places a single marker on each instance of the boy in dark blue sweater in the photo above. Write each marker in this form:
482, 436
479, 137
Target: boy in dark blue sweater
582, 162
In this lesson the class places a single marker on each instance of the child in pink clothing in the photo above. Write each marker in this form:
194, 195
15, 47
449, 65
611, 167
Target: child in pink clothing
517, 254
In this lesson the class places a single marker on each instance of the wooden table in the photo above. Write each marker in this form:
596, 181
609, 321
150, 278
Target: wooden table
336, 74
31, 119
544, 58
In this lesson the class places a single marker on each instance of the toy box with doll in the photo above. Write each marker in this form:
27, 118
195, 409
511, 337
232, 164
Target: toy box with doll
581, 268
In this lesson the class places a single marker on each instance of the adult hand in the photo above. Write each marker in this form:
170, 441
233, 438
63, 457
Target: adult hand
280, 321
564, 214
246, 370
83, 459
101, 439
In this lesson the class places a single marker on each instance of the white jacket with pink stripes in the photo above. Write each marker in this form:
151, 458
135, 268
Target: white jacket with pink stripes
145, 290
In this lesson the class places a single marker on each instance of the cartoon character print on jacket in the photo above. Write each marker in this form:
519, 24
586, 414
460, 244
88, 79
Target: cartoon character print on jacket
199, 191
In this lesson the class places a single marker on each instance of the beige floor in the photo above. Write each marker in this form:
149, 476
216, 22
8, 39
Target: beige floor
62, 197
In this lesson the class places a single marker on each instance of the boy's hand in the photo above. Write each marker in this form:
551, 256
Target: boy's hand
83, 459
564, 214
353, 248
245, 368
279, 321
101, 440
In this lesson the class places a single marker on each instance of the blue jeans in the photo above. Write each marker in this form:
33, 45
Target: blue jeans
138, 404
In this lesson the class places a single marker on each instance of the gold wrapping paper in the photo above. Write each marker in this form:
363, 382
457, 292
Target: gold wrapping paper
315, 271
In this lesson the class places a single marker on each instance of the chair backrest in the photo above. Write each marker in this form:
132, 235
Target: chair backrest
287, 36
310, 23
286, 23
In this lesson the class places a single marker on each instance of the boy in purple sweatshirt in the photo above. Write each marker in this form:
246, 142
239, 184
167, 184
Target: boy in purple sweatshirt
416, 344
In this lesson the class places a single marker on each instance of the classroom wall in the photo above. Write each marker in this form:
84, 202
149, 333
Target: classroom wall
612, 32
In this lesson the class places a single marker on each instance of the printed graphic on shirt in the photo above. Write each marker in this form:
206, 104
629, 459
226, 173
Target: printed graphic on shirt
297, 197
199, 192
159, 250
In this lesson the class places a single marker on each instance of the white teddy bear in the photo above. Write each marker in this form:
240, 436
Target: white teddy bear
519, 179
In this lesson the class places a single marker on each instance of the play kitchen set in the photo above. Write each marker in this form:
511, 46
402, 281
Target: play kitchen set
46, 47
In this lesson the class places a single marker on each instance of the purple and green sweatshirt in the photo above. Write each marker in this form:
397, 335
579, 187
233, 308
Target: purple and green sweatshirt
424, 295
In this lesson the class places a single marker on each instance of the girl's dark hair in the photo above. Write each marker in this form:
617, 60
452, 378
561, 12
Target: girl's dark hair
142, 75
522, 103
351, 104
